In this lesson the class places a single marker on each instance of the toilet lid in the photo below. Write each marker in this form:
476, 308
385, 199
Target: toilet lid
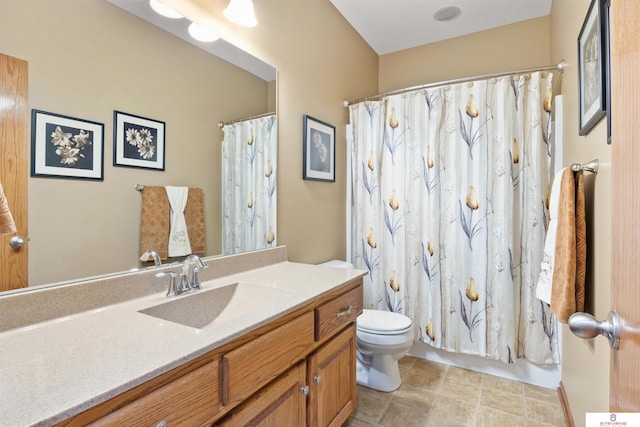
382, 322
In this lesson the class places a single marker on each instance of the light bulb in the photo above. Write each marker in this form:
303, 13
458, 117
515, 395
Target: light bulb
164, 10
202, 33
241, 12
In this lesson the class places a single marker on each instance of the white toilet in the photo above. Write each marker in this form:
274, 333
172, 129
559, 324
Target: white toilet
382, 337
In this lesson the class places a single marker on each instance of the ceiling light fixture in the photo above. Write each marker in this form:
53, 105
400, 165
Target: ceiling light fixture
241, 12
447, 13
202, 33
164, 10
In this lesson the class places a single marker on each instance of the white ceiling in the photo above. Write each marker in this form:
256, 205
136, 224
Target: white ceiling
386, 25
220, 48
393, 25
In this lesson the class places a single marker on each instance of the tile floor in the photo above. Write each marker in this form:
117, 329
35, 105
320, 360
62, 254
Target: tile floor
433, 394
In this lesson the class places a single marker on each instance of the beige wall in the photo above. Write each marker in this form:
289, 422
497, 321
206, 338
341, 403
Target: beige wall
491, 51
321, 61
585, 363
86, 59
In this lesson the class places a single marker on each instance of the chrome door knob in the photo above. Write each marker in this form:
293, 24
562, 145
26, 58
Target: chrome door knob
586, 326
17, 242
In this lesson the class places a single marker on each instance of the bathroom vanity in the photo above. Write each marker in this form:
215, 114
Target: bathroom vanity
281, 351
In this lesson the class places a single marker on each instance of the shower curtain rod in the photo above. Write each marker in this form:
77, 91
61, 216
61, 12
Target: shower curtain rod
559, 66
223, 124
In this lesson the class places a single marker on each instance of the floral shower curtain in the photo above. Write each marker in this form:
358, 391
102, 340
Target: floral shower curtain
249, 161
450, 198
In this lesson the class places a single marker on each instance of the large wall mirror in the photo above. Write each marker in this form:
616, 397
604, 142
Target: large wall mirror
89, 58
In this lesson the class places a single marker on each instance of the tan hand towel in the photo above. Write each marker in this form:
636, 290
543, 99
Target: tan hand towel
581, 242
155, 221
563, 292
194, 215
570, 268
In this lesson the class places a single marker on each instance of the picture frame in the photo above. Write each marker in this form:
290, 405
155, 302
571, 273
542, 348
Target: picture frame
138, 141
318, 150
606, 40
591, 70
66, 147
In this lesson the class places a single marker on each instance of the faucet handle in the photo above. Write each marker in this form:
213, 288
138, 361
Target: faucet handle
195, 279
172, 290
184, 283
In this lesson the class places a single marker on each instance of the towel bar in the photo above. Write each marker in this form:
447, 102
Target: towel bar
592, 166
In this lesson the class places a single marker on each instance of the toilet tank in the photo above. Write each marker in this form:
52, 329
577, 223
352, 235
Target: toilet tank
337, 263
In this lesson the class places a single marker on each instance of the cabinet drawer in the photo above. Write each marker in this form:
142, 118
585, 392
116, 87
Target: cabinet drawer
250, 366
340, 311
189, 400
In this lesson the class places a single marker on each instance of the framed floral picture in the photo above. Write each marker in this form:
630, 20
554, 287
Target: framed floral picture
591, 69
138, 141
319, 150
66, 147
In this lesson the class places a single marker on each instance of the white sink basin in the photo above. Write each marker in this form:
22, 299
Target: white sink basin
198, 309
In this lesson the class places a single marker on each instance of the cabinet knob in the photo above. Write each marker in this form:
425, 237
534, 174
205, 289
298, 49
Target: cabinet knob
305, 390
317, 378
162, 423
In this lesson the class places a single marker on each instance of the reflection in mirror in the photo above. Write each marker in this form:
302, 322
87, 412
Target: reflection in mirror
88, 59
249, 165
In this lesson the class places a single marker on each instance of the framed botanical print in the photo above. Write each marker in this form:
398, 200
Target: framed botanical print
591, 71
138, 141
66, 147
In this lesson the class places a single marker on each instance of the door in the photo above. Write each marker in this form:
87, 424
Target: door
624, 395
14, 164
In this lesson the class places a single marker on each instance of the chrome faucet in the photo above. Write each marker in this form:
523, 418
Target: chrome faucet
153, 254
187, 283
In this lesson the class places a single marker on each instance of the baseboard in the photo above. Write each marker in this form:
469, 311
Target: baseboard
565, 406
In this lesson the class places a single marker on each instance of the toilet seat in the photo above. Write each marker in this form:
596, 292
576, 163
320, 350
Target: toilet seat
383, 322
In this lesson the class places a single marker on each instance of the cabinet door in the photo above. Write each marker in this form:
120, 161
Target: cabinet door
332, 380
282, 403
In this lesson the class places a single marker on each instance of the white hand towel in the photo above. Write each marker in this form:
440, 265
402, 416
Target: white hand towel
543, 288
178, 236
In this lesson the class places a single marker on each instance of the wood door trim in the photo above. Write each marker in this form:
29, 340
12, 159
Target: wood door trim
564, 402
624, 393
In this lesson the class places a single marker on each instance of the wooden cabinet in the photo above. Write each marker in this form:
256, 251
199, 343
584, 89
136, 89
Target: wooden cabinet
332, 380
282, 403
297, 370
330, 369
320, 391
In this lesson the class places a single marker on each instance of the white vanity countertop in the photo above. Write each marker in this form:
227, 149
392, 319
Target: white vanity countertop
55, 369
